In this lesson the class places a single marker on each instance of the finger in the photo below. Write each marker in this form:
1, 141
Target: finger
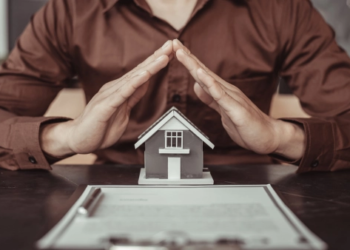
213, 88
218, 93
192, 67
235, 104
154, 66
118, 97
178, 46
150, 69
205, 97
112, 128
191, 64
137, 95
166, 49
121, 94
188, 62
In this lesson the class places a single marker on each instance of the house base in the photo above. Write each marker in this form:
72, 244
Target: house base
206, 180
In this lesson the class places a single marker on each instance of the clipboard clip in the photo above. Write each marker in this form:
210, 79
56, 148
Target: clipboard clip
172, 241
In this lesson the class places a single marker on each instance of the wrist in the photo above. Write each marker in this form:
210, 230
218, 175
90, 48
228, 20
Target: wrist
54, 141
291, 140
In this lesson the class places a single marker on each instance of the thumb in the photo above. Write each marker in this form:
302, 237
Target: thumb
137, 95
206, 98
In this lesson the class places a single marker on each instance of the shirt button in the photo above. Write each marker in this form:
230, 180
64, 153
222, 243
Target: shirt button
32, 160
176, 98
315, 164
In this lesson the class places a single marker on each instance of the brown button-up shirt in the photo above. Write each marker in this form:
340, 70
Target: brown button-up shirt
248, 43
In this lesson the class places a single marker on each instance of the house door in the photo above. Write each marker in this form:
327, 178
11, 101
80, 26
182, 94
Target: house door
174, 168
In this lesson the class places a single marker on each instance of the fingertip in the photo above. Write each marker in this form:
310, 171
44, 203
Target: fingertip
204, 96
176, 44
166, 59
166, 44
166, 49
162, 61
180, 53
197, 88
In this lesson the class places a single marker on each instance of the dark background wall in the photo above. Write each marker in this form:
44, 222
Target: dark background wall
337, 14
19, 14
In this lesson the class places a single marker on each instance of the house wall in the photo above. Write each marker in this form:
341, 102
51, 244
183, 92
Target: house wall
157, 164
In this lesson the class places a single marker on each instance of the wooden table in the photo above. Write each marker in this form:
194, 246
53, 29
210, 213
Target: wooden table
29, 200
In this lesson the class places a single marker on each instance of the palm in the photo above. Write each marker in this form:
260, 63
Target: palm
106, 116
88, 137
100, 132
254, 135
120, 119
248, 126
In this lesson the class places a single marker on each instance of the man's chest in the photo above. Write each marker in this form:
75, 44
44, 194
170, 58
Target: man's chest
223, 36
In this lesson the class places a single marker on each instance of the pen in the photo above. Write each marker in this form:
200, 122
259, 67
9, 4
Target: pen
91, 200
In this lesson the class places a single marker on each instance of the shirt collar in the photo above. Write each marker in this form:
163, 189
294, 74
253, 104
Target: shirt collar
108, 4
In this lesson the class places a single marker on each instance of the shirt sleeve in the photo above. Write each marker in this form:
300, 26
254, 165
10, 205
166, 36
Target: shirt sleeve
318, 72
30, 79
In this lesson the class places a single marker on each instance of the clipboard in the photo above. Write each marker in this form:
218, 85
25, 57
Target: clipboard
168, 239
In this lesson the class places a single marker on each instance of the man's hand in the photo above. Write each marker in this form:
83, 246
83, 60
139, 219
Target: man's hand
248, 126
106, 116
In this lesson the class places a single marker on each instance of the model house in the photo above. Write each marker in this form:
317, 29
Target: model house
174, 147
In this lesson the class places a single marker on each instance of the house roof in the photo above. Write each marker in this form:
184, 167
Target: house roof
173, 112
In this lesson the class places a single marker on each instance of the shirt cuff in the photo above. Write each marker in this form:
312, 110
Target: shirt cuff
319, 150
25, 143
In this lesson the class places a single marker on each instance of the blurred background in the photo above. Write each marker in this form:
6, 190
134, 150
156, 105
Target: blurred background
15, 14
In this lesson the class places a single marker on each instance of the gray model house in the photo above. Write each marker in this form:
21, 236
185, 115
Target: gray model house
174, 147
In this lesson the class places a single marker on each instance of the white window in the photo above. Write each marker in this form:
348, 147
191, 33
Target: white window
173, 139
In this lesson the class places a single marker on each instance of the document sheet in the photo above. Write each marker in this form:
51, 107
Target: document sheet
253, 215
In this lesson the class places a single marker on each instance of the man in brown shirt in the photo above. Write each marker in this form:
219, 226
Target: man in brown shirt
238, 51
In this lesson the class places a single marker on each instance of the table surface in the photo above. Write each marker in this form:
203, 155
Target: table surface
29, 200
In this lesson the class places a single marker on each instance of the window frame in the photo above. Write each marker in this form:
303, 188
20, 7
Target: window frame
174, 138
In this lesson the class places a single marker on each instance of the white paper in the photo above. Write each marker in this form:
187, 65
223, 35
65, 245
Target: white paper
253, 214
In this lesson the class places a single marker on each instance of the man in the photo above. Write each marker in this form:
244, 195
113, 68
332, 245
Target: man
222, 77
